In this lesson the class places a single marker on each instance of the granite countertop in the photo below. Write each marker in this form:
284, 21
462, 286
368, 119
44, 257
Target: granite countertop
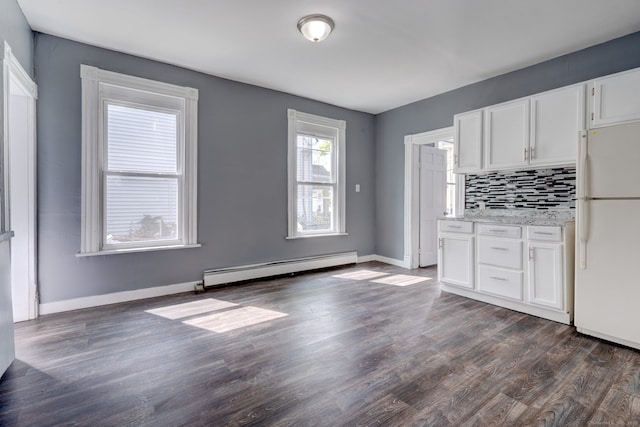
516, 217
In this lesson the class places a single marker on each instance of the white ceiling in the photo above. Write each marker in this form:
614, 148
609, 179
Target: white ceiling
382, 54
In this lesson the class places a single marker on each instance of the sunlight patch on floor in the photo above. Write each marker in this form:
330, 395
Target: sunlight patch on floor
234, 319
401, 280
187, 309
361, 275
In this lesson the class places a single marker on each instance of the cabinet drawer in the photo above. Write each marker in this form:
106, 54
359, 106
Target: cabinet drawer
500, 252
548, 234
456, 226
500, 230
496, 281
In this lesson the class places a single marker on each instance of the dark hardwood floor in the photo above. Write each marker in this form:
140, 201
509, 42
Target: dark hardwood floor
327, 351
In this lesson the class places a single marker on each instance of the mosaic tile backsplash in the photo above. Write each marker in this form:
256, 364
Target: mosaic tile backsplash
527, 189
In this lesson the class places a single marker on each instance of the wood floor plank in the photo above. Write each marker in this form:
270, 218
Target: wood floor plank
351, 350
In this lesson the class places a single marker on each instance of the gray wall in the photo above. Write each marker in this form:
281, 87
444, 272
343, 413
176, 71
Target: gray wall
437, 112
15, 31
242, 178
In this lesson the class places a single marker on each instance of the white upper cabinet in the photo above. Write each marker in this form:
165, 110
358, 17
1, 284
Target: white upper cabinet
616, 99
556, 118
506, 138
468, 142
542, 130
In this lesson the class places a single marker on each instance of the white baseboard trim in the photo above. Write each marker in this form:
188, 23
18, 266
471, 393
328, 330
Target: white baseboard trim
367, 258
386, 260
224, 276
114, 298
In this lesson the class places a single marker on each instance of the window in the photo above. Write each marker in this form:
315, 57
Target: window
451, 194
316, 175
139, 153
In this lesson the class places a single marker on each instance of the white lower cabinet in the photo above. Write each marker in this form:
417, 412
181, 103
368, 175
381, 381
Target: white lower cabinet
524, 268
455, 253
547, 250
546, 274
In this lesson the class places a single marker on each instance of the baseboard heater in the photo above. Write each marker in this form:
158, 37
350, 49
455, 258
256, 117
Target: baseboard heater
223, 276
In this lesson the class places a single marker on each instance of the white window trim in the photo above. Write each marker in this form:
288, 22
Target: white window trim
92, 155
339, 126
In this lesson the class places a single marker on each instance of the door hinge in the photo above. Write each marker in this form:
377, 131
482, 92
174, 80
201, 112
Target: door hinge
593, 91
591, 116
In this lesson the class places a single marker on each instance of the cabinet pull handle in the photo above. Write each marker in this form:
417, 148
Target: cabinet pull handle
497, 230
497, 248
498, 278
454, 226
544, 233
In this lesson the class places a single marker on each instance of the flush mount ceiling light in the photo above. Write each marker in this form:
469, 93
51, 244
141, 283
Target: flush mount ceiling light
316, 28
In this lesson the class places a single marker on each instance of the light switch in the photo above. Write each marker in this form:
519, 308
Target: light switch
357, 188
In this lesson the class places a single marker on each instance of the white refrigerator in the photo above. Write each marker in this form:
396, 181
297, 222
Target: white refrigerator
607, 280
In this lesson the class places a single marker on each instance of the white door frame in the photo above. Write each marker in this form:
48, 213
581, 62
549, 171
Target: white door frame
411, 190
16, 80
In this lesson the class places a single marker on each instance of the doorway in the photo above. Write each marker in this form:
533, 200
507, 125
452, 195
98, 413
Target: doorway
431, 191
20, 150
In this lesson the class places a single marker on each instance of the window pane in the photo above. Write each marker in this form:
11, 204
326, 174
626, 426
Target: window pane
315, 208
141, 140
315, 159
141, 209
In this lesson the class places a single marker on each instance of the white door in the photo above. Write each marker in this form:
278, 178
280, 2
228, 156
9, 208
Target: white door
607, 288
22, 202
433, 184
21, 185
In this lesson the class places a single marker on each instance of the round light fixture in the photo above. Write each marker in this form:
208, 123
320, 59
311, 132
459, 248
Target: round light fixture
316, 28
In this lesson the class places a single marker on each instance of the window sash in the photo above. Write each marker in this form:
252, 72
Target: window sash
333, 218
107, 245
154, 105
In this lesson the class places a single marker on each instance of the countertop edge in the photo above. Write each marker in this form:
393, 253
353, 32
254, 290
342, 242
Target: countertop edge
521, 221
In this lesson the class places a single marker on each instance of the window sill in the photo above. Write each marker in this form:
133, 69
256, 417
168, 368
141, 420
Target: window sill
132, 250
306, 236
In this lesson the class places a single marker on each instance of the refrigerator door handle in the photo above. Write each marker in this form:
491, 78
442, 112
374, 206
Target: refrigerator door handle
583, 232
582, 164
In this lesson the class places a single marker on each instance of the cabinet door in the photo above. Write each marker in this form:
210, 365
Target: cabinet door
546, 275
467, 142
556, 118
455, 260
506, 139
616, 98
